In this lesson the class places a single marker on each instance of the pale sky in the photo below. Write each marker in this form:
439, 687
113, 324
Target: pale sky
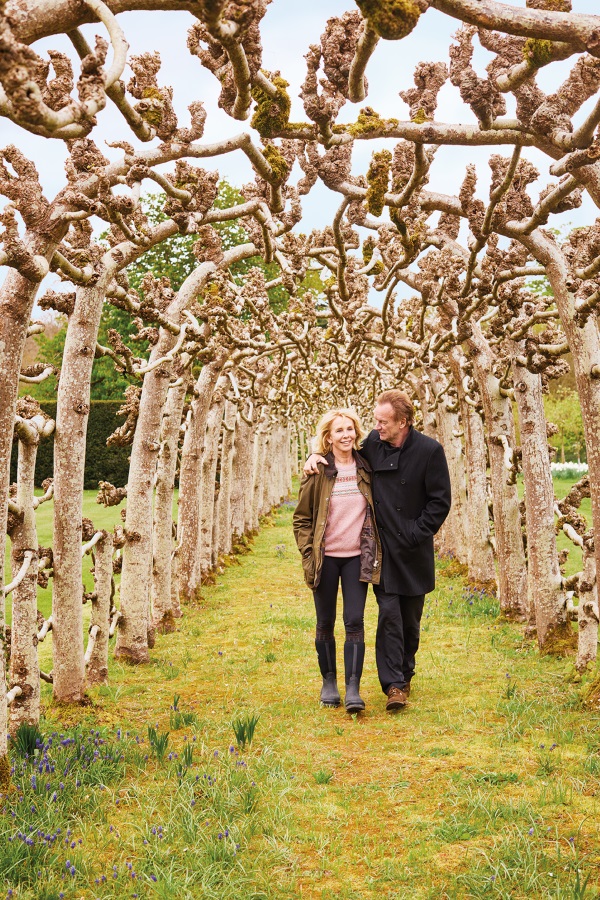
287, 30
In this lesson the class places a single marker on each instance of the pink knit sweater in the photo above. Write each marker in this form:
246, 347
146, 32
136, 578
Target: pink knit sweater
347, 508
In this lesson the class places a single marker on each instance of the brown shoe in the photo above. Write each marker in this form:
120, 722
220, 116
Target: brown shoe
406, 689
396, 699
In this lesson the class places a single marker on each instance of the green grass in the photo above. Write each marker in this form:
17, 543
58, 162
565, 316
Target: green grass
487, 785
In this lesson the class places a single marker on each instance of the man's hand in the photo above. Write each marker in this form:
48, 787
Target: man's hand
311, 466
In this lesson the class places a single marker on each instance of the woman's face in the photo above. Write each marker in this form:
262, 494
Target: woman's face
342, 434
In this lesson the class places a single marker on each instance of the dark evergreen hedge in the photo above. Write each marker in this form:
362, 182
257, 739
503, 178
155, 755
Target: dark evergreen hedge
102, 463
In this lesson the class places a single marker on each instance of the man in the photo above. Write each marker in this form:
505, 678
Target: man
411, 492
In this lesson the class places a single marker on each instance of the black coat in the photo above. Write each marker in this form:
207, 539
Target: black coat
411, 491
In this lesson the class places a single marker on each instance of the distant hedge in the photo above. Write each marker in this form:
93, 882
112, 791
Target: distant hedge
102, 463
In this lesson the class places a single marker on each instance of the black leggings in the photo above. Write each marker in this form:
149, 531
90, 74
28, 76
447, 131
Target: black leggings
354, 593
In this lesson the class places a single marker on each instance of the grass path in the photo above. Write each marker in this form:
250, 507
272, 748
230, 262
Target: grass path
486, 786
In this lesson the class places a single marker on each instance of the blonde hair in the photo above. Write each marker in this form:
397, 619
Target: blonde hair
322, 444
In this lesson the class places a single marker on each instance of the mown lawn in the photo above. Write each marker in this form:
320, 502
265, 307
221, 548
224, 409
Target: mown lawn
486, 786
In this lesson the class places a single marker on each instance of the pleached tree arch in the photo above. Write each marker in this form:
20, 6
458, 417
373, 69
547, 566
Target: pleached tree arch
417, 288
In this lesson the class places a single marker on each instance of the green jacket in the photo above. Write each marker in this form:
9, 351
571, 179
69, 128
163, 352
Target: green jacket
310, 520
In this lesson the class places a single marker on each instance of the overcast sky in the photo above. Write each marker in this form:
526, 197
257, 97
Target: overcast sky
287, 30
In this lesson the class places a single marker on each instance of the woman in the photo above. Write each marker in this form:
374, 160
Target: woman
334, 527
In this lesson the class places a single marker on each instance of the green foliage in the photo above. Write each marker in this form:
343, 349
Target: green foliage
158, 742
181, 718
391, 19
322, 776
27, 738
563, 409
243, 728
102, 463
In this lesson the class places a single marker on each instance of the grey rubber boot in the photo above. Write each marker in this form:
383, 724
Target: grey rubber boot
354, 657
330, 695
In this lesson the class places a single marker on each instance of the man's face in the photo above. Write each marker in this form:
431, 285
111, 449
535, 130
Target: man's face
388, 427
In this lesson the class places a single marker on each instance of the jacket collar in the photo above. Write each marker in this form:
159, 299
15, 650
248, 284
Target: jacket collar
330, 469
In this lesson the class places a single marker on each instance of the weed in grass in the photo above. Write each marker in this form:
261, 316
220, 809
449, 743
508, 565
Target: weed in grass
322, 776
158, 742
180, 718
270, 657
556, 793
591, 764
496, 778
27, 739
548, 762
243, 728
436, 752
455, 828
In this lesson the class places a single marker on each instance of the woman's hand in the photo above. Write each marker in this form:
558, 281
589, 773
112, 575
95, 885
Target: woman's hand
311, 466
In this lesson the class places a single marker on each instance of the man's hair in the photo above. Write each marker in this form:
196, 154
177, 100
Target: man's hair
322, 442
400, 403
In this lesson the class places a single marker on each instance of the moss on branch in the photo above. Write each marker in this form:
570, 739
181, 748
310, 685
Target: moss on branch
272, 114
538, 52
391, 19
278, 163
378, 179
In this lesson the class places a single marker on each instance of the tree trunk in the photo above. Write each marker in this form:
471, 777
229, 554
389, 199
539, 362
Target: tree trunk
16, 303
546, 597
262, 447
162, 604
225, 530
480, 557
97, 666
190, 479
210, 454
134, 638
500, 427
294, 452
587, 618
24, 667
241, 488
72, 414
455, 528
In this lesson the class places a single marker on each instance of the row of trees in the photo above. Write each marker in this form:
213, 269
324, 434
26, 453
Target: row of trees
231, 331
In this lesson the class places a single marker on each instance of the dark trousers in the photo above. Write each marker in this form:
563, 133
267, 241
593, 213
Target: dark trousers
397, 641
354, 593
